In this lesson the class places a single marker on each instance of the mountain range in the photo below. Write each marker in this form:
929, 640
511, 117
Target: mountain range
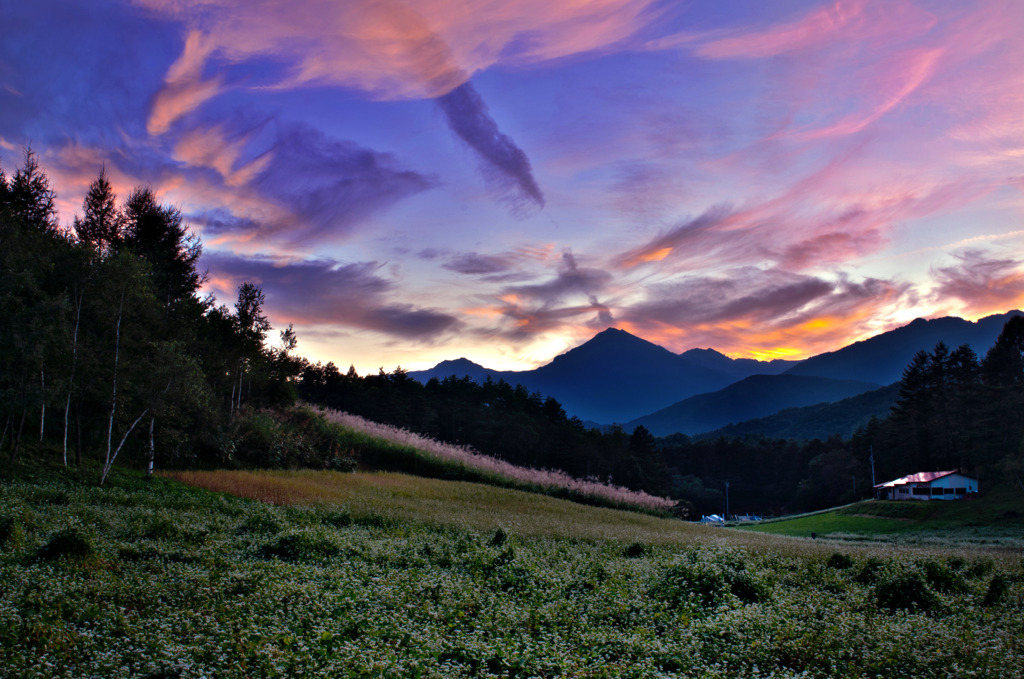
616, 377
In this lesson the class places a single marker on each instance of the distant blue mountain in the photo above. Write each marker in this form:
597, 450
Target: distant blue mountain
882, 358
616, 376
753, 397
818, 421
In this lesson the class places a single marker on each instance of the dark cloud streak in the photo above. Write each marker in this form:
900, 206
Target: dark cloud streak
474, 264
505, 166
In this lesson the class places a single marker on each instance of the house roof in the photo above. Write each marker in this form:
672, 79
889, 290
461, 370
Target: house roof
920, 477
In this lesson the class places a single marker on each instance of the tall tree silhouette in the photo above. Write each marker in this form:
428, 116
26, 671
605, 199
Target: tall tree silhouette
101, 222
157, 233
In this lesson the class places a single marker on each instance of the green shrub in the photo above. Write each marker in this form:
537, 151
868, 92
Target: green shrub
70, 544
635, 550
12, 534
499, 538
301, 545
942, 578
338, 518
998, 587
709, 578
980, 568
261, 521
869, 571
905, 590
840, 561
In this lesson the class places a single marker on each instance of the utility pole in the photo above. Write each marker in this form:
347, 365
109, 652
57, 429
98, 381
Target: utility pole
726, 500
871, 450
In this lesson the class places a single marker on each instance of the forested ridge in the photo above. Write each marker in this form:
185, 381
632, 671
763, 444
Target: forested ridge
110, 352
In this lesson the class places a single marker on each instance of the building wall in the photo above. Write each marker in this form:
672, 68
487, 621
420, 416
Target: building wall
952, 487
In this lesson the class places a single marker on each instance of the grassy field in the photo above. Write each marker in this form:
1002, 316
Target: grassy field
996, 519
388, 576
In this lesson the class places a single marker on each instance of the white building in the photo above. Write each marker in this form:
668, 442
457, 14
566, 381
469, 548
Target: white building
928, 486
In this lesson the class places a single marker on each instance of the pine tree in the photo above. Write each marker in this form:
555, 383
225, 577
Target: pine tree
101, 223
157, 234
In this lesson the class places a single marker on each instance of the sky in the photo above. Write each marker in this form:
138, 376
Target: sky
500, 180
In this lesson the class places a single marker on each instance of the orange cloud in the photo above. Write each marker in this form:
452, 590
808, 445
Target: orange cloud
382, 47
184, 89
211, 147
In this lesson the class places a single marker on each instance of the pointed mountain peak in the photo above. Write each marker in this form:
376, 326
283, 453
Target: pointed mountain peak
611, 333
614, 339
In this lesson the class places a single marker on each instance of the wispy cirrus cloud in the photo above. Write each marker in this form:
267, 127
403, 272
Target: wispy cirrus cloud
185, 87
392, 51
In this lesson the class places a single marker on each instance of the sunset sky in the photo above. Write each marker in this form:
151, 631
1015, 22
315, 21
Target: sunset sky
501, 179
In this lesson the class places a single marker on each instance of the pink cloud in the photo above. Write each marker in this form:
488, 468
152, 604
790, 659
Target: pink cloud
382, 47
897, 79
184, 88
817, 28
982, 283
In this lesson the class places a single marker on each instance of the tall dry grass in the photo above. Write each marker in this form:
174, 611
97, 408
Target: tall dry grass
466, 457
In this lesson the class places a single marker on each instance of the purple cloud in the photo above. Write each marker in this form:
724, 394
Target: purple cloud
328, 184
571, 279
505, 166
474, 264
348, 295
982, 282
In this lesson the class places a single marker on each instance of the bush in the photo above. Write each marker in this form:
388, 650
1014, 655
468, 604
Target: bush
12, 535
710, 578
635, 550
905, 590
70, 544
869, 572
301, 545
499, 538
261, 522
942, 578
840, 561
998, 587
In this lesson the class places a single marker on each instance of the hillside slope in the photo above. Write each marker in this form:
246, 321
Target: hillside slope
753, 397
882, 358
819, 421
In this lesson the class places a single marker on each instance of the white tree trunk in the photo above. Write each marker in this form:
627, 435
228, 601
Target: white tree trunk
110, 460
113, 398
42, 397
152, 448
71, 382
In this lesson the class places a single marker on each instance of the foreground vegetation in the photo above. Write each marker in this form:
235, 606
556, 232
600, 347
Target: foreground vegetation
378, 578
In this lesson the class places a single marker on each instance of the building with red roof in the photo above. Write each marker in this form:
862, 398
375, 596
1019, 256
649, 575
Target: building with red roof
951, 485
